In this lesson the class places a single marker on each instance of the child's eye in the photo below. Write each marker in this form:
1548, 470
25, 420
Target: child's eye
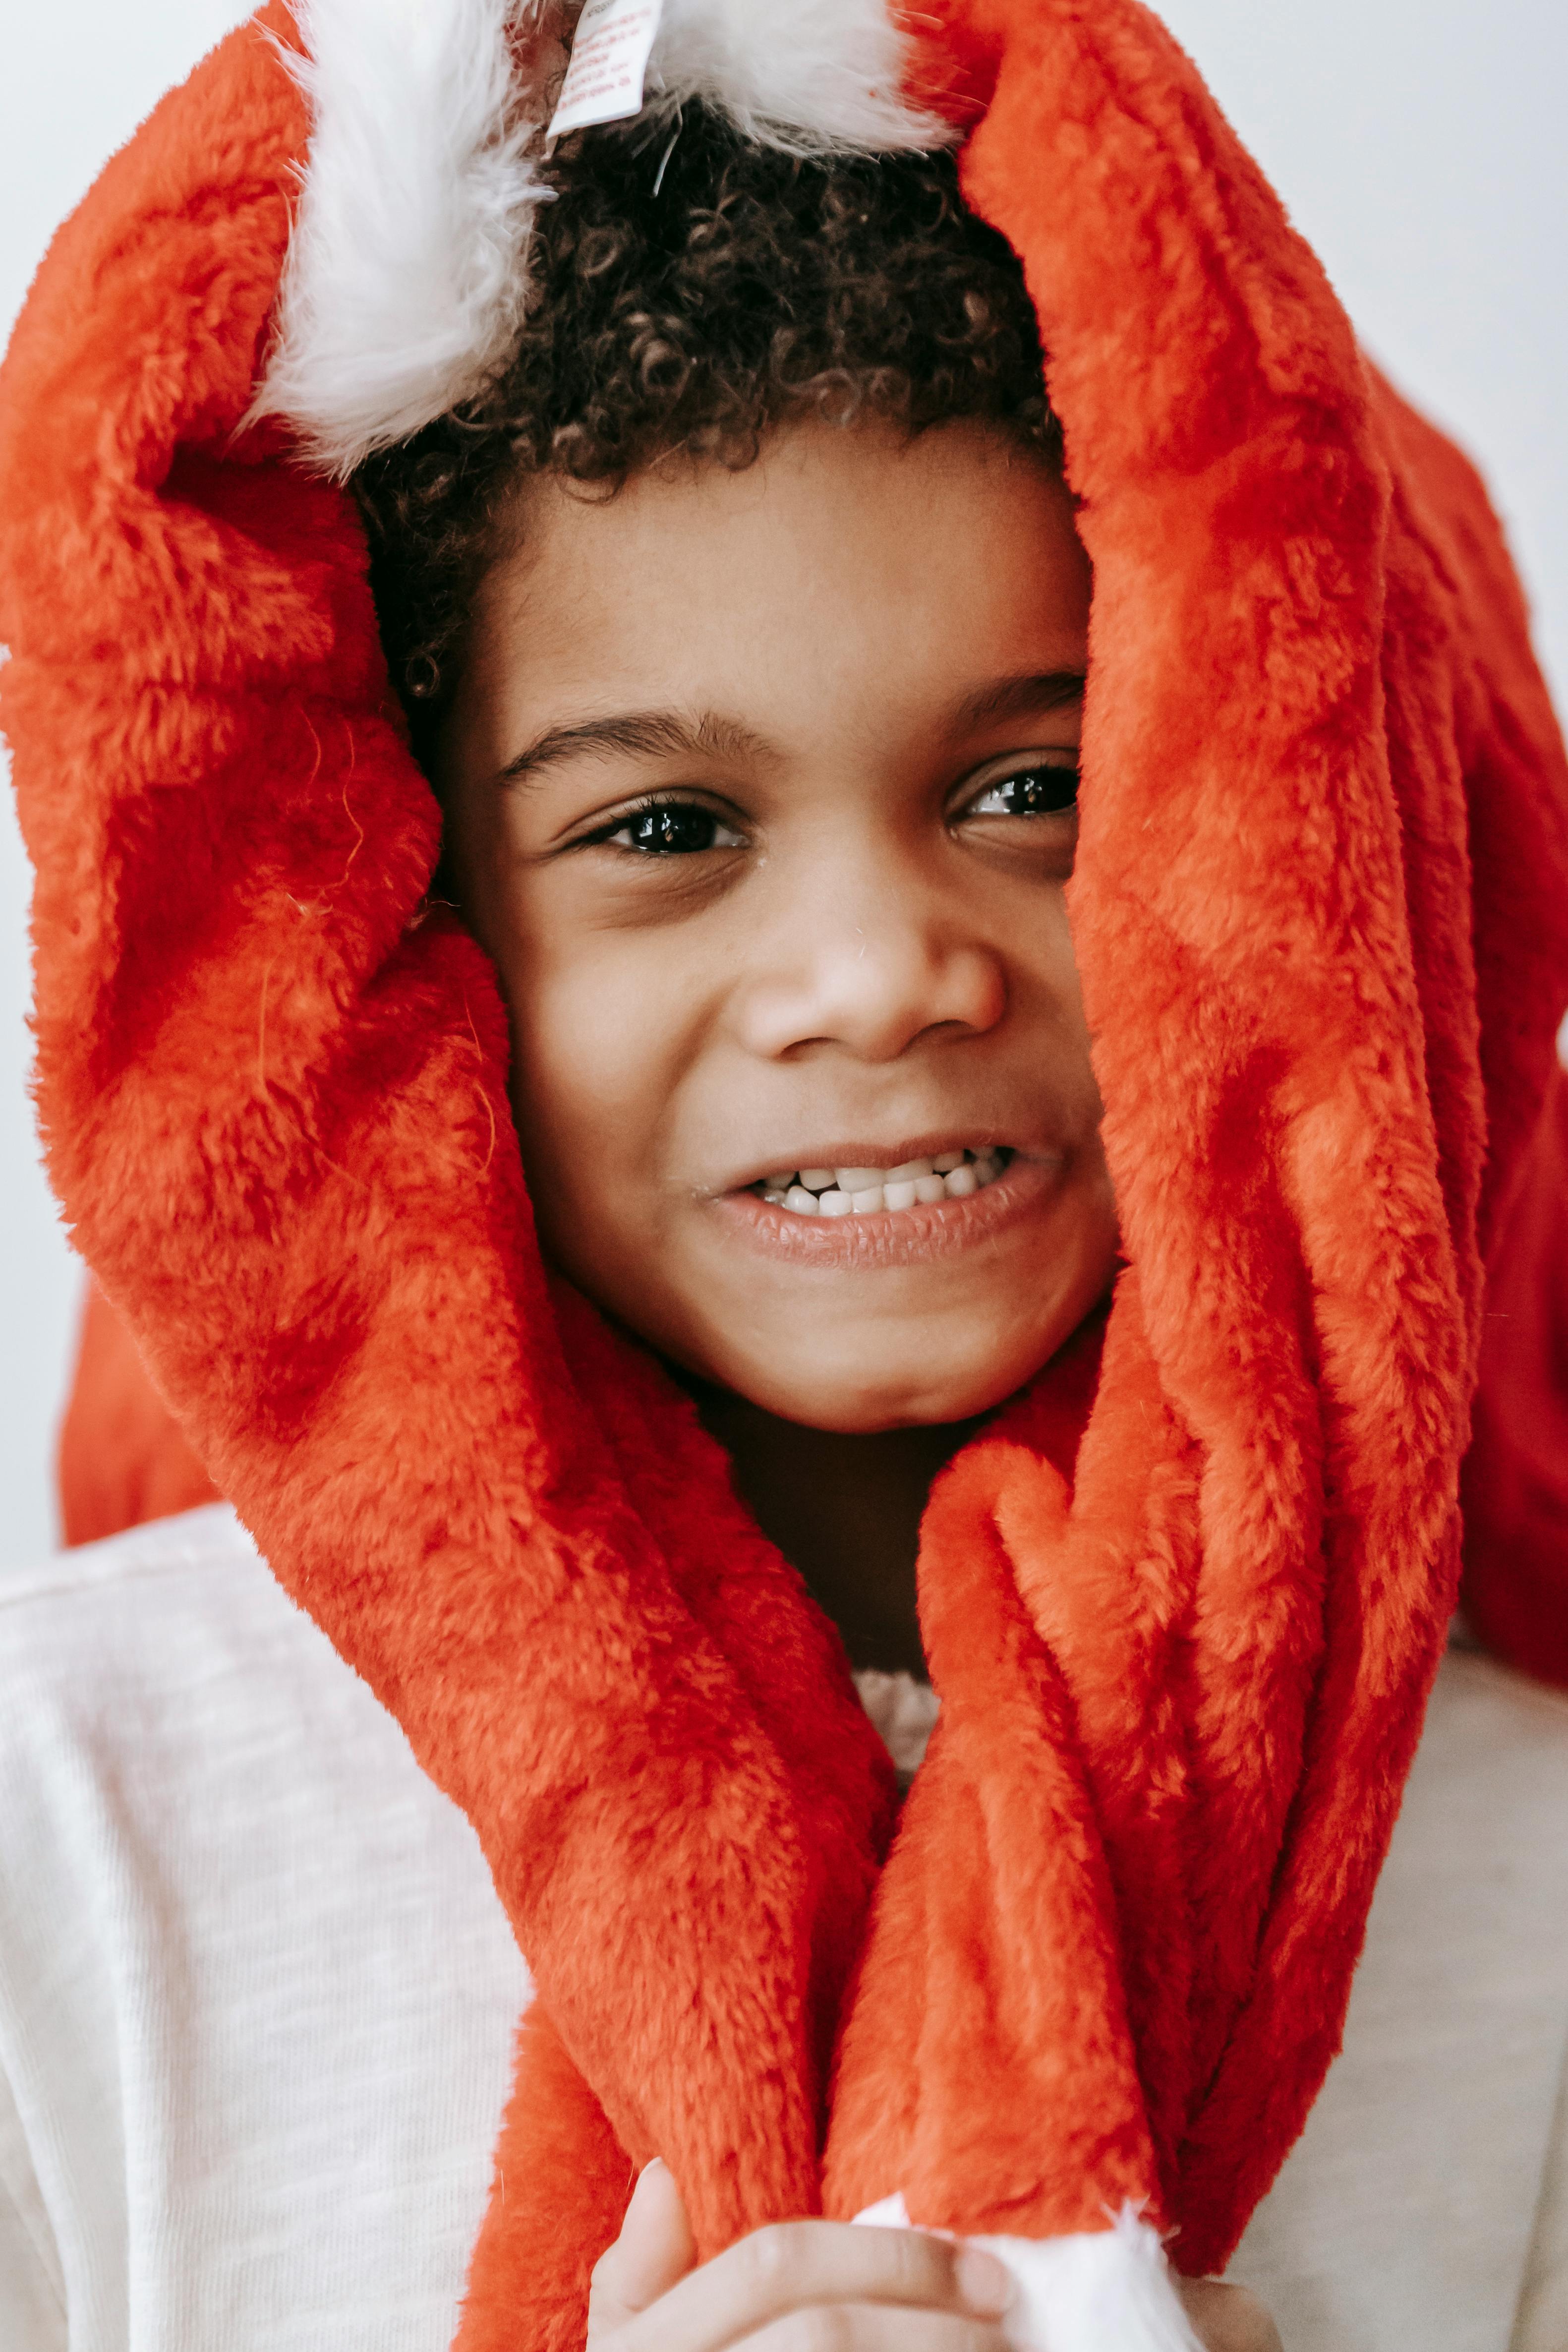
670, 829
1028, 792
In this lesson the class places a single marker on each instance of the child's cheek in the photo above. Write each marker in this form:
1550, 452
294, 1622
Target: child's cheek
604, 1040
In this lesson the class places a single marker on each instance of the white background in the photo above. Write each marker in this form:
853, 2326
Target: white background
1419, 144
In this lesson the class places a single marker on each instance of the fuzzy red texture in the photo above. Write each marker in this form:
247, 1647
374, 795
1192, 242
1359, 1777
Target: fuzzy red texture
1109, 1950
1516, 1474
123, 1457
529, 2281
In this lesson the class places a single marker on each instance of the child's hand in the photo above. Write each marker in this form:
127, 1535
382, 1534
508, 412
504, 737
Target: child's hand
799, 2287
804, 2286
1228, 2318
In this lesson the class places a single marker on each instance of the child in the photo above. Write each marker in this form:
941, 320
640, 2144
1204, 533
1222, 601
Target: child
745, 620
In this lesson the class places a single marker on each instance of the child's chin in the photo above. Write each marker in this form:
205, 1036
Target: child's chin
858, 1391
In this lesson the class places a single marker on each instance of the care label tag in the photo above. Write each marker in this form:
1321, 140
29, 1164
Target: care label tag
609, 59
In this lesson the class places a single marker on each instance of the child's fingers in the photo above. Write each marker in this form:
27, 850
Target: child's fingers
793, 2267
875, 2327
1228, 2318
655, 2250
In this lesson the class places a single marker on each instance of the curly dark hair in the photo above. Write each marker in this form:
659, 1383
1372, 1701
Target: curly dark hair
687, 297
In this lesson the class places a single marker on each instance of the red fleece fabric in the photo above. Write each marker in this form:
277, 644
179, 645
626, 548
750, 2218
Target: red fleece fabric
1516, 1475
123, 1457
1104, 1952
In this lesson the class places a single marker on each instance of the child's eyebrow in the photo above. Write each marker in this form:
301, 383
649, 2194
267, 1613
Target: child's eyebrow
1028, 697
642, 734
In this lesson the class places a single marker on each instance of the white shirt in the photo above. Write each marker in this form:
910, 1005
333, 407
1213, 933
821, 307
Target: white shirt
256, 2001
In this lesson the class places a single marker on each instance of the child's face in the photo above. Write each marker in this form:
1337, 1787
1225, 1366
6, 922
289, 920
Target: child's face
735, 774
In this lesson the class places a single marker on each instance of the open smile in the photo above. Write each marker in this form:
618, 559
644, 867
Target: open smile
870, 1191
939, 1212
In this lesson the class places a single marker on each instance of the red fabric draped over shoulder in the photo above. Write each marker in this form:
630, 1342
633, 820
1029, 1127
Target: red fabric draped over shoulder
1516, 1475
123, 1457
1107, 1952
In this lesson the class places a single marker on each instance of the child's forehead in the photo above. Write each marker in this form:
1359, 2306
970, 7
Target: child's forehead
851, 583
866, 511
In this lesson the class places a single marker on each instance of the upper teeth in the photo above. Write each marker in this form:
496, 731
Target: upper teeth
862, 1191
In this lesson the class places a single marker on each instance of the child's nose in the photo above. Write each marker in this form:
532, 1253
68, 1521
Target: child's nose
870, 983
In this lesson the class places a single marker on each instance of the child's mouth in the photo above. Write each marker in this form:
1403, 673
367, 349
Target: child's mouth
872, 1191
959, 1201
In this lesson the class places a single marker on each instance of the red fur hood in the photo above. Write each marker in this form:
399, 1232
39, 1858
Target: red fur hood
1104, 1954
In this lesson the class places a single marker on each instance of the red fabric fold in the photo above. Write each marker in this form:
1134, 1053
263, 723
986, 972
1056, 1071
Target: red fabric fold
1516, 1474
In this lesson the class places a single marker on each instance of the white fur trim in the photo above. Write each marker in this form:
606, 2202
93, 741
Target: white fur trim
405, 277
1087, 2291
407, 273
801, 74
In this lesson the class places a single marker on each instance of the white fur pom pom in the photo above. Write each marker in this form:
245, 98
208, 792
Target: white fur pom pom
406, 278
1083, 2293
799, 74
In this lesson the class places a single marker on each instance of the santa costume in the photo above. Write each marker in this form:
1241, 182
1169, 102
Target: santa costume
1182, 1600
